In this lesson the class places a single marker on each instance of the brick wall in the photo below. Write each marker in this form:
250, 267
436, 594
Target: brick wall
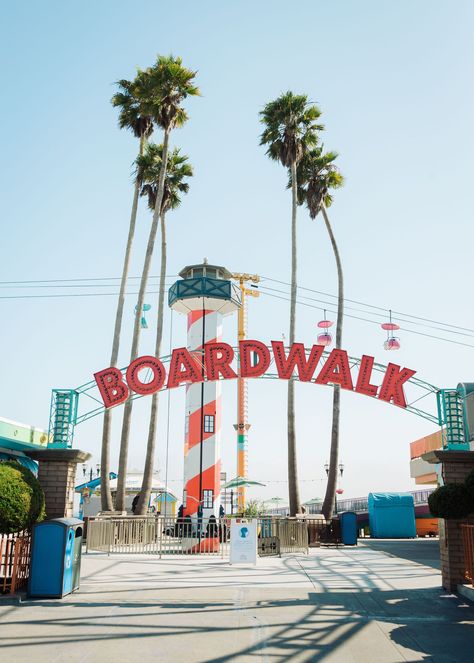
57, 481
56, 474
456, 466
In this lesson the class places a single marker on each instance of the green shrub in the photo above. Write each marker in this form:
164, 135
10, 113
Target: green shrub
254, 509
21, 498
453, 500
469, 483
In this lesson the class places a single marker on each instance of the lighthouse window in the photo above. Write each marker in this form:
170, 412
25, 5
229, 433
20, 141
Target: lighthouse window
208, 423
185, 498
207, 498
197, 273
211, 273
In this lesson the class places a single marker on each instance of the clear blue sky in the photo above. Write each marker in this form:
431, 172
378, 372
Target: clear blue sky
394, 82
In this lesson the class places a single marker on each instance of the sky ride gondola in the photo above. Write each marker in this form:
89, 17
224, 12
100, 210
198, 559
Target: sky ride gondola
324, 337
143, 322
392, 342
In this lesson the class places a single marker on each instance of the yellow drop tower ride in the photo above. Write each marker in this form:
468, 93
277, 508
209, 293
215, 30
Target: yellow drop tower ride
242, 426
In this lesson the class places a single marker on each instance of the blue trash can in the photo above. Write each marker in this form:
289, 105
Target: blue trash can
348, 520
266, 527
55, 557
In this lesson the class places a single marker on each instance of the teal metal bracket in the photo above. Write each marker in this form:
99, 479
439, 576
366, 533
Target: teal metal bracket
62, 418
451, 418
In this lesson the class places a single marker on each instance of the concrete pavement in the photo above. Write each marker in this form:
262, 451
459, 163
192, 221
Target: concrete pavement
342, 605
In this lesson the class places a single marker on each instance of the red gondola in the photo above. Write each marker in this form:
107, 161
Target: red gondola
392, 342
325, 337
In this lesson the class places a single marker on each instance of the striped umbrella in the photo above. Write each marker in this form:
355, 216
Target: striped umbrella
240, 481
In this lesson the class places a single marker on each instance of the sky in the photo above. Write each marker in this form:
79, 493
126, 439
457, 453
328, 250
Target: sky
394, 84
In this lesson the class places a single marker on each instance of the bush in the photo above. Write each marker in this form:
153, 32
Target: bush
21, 498
254, 509
453, 500
469, 483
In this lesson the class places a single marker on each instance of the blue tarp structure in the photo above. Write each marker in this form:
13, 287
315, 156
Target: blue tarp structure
392, 516
23, 460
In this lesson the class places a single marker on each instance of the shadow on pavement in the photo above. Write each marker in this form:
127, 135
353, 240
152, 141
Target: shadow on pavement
420, 551
391, 625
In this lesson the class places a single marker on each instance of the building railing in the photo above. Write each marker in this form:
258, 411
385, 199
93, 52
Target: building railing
160, 535
14, 561
468, 549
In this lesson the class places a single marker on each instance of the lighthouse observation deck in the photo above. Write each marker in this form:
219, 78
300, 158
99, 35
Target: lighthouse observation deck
209, 281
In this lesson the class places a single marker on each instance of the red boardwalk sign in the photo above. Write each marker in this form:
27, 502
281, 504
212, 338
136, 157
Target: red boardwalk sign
255, 360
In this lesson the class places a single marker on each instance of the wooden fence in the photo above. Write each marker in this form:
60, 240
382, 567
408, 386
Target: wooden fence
468, 548
14, 561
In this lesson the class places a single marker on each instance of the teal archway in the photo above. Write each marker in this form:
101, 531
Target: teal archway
443, 407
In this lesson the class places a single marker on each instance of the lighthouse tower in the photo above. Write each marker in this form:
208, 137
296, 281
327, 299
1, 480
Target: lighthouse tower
205, 294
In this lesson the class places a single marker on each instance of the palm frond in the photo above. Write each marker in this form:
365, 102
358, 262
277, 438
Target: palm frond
316, 176
155, 95
133, 114
169, 84
178, 169
290, 127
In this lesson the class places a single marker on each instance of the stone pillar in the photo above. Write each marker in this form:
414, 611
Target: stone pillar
57, 474
456, 465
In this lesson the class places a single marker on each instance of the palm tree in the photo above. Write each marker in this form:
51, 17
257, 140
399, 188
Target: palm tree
133, 116
168, 83
317, 174
290, 131
177, 171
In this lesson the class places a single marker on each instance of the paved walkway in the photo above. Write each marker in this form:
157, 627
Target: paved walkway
347, 605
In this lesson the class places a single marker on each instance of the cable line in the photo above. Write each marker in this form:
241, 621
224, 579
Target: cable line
103, 278
108, 282
352, 308
373, 322
379, 308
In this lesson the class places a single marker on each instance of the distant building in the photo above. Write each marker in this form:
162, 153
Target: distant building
161, 500
16, 439
424, 473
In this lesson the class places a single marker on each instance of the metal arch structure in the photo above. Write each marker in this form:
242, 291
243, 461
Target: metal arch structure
71, 407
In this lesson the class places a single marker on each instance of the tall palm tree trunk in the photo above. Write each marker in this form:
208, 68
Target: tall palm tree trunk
127, 415
329, 498
147, 482
293, 488
105, 494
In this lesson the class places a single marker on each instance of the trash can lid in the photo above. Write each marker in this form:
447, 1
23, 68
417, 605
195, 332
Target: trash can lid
347, 513
65, 522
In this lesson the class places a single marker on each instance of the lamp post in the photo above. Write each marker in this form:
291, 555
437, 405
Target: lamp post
338, 491
91, 471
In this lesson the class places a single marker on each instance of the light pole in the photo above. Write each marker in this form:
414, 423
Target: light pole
341, 472
91, 471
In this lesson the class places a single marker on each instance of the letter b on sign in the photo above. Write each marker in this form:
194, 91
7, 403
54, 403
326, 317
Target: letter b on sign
111, 386
158, 375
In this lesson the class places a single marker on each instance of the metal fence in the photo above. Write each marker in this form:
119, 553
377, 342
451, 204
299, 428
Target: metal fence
14, 561
468, 549
155, 535
160, 535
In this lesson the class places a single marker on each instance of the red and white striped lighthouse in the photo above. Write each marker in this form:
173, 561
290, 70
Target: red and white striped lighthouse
206, 295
